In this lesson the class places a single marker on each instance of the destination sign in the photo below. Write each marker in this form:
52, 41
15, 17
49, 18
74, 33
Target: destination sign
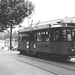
35, 28
25, 29
41, 27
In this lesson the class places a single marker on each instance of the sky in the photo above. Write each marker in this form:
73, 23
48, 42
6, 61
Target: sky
46, 10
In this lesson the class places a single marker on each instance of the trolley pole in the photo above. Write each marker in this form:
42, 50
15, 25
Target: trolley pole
11, 37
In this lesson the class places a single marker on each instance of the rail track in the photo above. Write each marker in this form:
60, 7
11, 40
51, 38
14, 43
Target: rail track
46, 62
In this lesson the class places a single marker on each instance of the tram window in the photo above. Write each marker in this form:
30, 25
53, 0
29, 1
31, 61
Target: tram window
55, 36
73, 34
35, 37
25, 37
69, 37
39, 38
64, 34
68, 34
20, 37
43, 36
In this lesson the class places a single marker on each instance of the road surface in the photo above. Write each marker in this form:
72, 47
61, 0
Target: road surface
10, 66
12, 63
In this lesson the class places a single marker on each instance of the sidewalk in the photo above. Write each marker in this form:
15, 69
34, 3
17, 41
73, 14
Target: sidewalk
6, 49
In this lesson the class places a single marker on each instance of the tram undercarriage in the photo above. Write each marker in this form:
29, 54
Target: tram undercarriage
47, 55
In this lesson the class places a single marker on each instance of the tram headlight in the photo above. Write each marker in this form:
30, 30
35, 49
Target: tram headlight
34, 45
72, 49
27, 44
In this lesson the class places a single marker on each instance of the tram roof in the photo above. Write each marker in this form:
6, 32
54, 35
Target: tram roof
45, 26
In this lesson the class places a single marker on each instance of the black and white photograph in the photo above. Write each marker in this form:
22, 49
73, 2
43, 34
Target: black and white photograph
37, 37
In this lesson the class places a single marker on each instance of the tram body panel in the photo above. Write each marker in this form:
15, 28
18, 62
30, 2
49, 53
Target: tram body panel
23, 46
23, 42
67, 48
40, 47
56, 47
58, 41
20, 44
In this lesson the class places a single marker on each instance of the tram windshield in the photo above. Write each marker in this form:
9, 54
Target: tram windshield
19, 37
23, 37
68, 34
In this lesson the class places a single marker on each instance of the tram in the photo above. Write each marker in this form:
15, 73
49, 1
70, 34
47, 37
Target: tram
50, 40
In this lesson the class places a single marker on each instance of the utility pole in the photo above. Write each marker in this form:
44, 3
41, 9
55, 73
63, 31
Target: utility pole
11, 37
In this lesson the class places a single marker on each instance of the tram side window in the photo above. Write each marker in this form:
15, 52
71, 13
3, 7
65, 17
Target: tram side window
25, 37
32, 37
73, 35
68, 34
55, 36
35, 37
64, 34
20, 37
43, 36
39, 38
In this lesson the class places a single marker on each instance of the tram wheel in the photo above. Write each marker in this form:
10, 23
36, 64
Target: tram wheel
23, 52
65, 58
37, 54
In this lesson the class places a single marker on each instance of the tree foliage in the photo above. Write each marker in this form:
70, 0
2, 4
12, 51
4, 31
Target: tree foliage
1, 36
15, 34
12, 12
7, 35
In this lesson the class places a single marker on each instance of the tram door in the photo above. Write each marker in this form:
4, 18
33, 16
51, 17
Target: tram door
32, 42
56, 44
26, 41
40, 41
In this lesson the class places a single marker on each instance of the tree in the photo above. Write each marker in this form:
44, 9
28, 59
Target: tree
13, 12
6, 35
15, 34
1, 36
